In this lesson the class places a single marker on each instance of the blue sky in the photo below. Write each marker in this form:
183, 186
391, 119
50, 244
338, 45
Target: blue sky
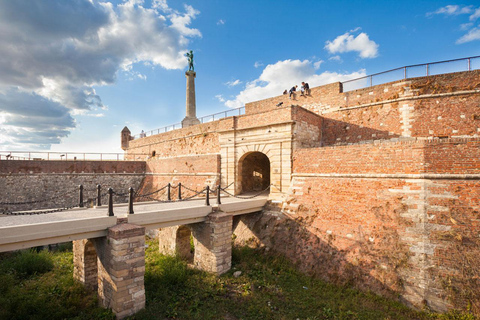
74, 73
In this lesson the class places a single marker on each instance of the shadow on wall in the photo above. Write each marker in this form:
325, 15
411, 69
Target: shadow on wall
340, 132
319, 257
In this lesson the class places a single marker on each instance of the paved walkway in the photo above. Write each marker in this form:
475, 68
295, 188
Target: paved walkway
119, 211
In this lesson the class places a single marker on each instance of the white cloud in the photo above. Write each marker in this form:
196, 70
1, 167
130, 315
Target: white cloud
220, 98
55, 52
472, 35
233, 83
258, 64
282, 75
466, 26
335, 58
451, 10
317, 64
220, 22
347, 42
475, 15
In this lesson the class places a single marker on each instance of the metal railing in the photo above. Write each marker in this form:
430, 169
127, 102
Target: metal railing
204, 119
70, 156
96, 196
413, 71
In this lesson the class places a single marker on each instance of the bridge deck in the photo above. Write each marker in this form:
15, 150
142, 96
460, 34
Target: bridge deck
25, 231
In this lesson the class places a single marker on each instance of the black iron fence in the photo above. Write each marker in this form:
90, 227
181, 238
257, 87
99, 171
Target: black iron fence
165, 194
204, 119
70, 156
413, 71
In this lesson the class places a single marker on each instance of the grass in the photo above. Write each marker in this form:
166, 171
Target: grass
40, 286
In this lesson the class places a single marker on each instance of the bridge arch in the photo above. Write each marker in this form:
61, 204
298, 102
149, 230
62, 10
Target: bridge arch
254, 171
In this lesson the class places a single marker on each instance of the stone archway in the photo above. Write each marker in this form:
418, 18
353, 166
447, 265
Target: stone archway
253, 172
184, 244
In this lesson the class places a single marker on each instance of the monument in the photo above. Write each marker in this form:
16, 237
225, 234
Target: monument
191, 118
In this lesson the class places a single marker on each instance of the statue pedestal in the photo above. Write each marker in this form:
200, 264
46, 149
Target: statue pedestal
191, 118
190, 121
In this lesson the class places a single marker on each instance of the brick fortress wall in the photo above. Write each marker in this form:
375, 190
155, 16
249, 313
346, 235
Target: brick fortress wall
393, 217
388, 204
194, 172
58, 181
436, 106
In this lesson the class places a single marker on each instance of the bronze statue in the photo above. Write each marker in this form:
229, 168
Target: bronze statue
189, 55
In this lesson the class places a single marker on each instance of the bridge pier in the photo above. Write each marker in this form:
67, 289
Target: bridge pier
212, 240
213, 243
85, 269
115, 264
120, 268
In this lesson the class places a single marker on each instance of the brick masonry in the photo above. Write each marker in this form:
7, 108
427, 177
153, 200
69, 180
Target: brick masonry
58, 181
194, 172
121, 269
393, 217
377, 187
212, 241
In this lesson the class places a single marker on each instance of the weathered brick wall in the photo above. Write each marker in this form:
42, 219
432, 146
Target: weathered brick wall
441, 105
194, 172
198, 139
58, 181
393, 217
307, 132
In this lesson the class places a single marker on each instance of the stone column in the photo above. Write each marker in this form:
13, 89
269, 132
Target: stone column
167, 240
213, 243
191, 118
121, 269
85, 263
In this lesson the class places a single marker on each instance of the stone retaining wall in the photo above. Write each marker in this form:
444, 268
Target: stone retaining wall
53, 184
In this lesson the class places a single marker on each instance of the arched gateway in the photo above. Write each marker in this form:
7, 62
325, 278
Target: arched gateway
253, 172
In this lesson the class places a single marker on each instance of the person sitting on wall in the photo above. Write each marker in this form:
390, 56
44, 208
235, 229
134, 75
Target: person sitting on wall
305, 88
292, 92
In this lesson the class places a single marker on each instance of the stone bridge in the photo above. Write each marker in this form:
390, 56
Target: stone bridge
109, 251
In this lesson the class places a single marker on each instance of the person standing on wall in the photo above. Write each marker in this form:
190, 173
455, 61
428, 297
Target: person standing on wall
292, 92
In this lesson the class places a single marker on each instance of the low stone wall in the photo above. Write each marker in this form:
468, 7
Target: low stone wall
54, 184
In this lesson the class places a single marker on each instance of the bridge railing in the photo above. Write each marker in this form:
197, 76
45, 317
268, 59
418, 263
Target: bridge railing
78, 156
413, 71
167, 193
204, 119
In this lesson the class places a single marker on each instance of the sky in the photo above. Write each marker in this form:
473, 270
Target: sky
74, 73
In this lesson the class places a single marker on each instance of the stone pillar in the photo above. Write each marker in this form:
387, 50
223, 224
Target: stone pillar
191, 118
167, 240
85, 263
213, 243
121, 269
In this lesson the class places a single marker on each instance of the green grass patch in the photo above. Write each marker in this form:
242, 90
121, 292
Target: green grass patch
40, 285
269, 287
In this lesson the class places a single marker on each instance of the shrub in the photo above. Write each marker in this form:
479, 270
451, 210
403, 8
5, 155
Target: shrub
29, 263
